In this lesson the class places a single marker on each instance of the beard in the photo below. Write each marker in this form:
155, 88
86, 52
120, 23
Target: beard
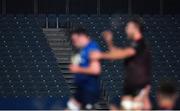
130, 36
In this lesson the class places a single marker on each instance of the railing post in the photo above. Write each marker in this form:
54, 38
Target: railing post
98, 7
67, 7
47, 22
35, 6
57, 22
3, 7
129, 7
161, 7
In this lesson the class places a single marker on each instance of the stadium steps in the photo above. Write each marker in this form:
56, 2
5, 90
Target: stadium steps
62, 49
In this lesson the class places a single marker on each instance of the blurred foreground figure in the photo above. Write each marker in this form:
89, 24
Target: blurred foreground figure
86, 72
167, 97
128, 102
136, 56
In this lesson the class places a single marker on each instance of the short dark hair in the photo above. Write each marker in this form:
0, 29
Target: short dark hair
79, 30
138, 22
107, 30
167, 88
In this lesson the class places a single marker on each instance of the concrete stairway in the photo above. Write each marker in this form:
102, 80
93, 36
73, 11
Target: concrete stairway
59, 42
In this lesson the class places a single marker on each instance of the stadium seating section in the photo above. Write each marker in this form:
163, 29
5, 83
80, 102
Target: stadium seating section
29, 68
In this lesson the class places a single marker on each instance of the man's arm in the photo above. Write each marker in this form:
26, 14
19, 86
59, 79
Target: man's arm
94, 68
115, 54
119, 54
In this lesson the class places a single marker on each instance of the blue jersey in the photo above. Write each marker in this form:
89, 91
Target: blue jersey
90, 82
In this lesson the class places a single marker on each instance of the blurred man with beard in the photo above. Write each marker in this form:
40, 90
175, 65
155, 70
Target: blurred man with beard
137, 61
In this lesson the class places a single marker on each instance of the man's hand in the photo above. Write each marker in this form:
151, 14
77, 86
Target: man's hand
96, 55
74, 68
108, 37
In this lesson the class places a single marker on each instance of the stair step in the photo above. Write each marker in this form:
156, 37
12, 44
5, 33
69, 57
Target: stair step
54, 34
69, 76
57, 37
56, 40
60, 45
63, 59
53, 29
64, 55
57, 45
73, 91
61, 48
61, 54
66, 72
62, 41
64, 66
64, 62
70, 82
73, 87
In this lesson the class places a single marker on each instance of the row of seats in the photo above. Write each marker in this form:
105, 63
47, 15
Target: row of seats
52, 20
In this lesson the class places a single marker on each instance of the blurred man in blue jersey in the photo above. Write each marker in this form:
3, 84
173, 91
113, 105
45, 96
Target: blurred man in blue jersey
86, 71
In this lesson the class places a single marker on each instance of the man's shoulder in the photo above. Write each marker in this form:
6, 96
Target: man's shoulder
93, 42
93, 45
